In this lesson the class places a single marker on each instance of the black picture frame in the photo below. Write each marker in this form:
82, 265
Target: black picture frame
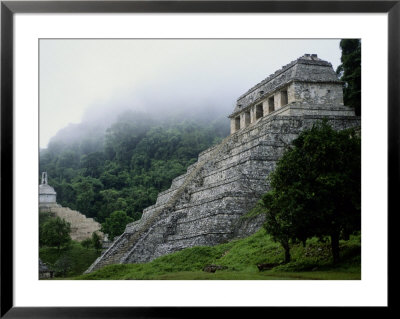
9, 8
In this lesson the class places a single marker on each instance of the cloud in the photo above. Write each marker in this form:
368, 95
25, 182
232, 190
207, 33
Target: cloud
91, 80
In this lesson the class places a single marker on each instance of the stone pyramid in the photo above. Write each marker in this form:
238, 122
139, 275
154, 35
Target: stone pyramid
204, 206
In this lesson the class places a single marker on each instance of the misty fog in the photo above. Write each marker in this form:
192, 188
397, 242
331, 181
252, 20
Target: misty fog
93, 81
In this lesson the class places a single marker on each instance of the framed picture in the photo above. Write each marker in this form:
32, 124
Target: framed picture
30, 28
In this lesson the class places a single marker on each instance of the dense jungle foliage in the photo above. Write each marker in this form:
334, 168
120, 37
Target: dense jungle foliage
99, 171
349, 71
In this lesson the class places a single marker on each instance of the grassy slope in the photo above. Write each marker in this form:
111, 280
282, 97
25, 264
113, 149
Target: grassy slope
80, 258
241, 257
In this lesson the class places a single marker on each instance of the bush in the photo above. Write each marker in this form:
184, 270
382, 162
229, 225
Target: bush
87, 243
80, 258
62, 266
55, 232
96, 241
115, 224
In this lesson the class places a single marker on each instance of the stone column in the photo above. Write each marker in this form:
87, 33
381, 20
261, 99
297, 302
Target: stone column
233, 129
253, 114
277, 100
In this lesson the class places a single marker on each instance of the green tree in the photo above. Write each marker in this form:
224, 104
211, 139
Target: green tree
63, 265
96, 241
112, 201
350, 72
316, 188
87, 190
115, 224
87, 243
281, 221
43, 218
92, 164
66, 194
55, 233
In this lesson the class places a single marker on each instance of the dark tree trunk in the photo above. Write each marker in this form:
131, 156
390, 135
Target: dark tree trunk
346, 235
285, 245
335, 247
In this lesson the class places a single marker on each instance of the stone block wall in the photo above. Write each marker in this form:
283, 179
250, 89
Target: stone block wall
47, 198
321, 94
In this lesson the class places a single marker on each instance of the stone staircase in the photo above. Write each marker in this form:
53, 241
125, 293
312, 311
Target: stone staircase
127, 240
204, 206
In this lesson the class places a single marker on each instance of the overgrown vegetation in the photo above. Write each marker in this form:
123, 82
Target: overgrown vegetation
53, 231
350, 73
61, 254
115, 224
69, 261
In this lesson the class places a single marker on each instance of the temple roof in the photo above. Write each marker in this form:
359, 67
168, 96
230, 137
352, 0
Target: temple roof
307, 68
45, 189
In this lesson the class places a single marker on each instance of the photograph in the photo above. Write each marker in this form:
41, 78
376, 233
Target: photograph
161, 159
199, 159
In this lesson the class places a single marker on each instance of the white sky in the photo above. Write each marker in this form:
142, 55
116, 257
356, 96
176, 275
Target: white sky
79, 77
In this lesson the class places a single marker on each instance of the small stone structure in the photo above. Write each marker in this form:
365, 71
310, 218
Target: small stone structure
205, 206
44, 271
47, 194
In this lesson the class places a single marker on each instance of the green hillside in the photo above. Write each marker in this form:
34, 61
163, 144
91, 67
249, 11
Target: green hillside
124, 166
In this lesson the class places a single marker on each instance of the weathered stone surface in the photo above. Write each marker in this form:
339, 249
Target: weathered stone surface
309, 85
44, 271
307, 69
47, 194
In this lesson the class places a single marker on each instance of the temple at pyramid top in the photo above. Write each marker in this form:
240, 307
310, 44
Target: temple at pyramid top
306, 85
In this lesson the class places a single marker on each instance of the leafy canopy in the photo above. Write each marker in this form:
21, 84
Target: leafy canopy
115, 224
96, 241
350, 72
316, 188
55, 232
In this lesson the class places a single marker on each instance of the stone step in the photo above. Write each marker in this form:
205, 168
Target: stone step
237, 183
258, 150
258, 164
225, 161
190, 223
81, 226
221, 158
